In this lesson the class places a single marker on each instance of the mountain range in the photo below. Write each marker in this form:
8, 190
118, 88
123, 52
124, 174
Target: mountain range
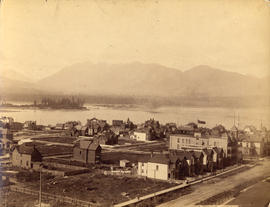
138, 79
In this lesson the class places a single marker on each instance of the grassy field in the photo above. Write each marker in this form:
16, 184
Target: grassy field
51, 150
114, 157
68, 140
15, 199
101, 189
157, 147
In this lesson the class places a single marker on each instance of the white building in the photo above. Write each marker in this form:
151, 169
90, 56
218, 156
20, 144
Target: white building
157, 167
142, 135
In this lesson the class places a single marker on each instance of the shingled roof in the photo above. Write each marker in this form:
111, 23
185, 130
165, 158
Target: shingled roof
180, 155
88, 144
24, 149
160, 158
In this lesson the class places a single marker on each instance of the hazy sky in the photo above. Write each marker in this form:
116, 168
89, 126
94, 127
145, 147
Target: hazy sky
39, 37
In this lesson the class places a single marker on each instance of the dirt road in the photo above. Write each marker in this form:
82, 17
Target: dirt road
218, 185
254, 196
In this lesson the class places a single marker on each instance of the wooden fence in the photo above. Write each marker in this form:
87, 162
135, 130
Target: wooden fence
48, 196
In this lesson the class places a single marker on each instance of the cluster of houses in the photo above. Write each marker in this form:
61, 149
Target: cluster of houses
253, 142
148, 131
192, 149
178, 164
98, 130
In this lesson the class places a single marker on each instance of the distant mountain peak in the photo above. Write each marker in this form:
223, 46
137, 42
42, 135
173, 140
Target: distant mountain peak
136, 78
14, 75
139, 79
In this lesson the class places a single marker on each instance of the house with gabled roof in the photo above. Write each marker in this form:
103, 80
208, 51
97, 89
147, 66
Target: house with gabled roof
198, 161
156, 167
87, 151
144, 134
252, 145
159, 167
210, 159
250, 129
173, 165
218, 158
96, 125
6, 137
25, 156
183, 164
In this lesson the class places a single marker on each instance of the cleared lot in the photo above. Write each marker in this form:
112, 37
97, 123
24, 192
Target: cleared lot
103, 190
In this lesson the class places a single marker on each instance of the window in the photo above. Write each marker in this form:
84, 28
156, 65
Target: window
80, 152
157, 167
27, 163
178, 140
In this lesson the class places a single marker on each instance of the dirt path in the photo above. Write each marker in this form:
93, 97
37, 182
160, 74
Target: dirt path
208, 189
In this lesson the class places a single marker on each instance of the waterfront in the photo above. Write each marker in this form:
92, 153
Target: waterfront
138, 114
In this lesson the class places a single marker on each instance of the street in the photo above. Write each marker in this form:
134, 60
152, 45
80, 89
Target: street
218, 185
254, 196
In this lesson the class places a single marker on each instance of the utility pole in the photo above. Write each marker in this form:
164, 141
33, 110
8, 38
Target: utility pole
40, 185
234, 118
238, 121
6, 195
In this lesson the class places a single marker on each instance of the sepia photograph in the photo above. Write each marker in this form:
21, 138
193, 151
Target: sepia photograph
134, 103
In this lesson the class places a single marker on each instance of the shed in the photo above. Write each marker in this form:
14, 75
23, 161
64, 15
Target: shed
125, 163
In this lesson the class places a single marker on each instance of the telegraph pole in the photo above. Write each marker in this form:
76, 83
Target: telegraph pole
40, 185
234, 118
238, 124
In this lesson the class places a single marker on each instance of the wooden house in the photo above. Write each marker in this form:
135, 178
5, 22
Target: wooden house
96, 126
198, 162
31, 125
208, 160
183, 164
6, 137
107, 137
87, 151
25, 156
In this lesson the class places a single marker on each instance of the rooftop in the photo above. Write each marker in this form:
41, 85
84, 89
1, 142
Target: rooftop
160, 158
